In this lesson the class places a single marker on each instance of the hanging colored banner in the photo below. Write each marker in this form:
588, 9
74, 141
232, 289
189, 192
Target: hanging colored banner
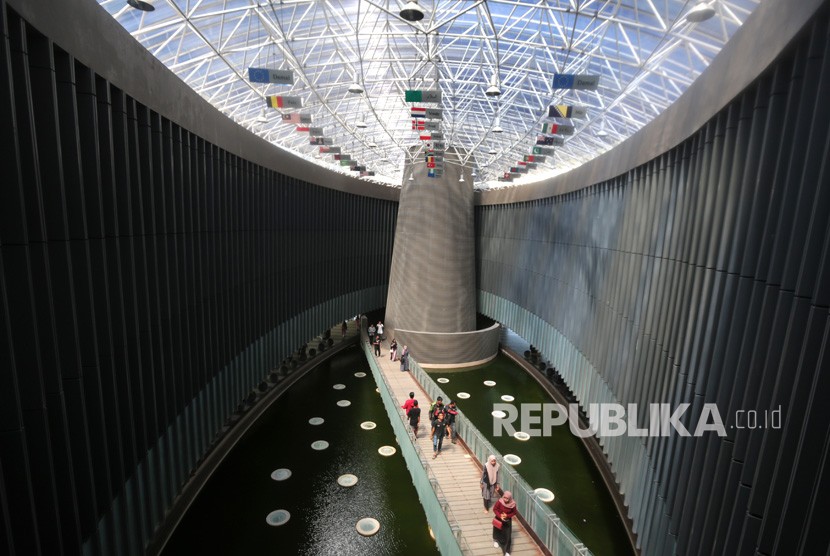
553, 129
567, 111
265, 75
320, 141
534, 157
418, 125
276, 101
329, 150
422, 96
582, 81
434, 114
418, 112
301, 129
542, 150
554, 140
296, 118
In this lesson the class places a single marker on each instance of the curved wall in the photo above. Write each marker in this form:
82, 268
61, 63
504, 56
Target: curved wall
149, 279
700, 277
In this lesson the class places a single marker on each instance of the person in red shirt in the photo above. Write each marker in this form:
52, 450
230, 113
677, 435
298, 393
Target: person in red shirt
408, 403
505, 510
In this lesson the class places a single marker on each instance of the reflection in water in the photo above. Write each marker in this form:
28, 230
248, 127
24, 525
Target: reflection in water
229, 515
559, 463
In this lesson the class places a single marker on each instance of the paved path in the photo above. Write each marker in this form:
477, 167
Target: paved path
456, 471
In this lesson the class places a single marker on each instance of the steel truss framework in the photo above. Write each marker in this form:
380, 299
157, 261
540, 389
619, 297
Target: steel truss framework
646, 53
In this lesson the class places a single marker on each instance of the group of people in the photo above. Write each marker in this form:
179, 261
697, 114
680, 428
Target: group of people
376, 337
504, 507
442, 420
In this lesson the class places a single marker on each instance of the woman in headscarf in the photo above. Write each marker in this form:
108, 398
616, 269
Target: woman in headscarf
505, 510
490, 482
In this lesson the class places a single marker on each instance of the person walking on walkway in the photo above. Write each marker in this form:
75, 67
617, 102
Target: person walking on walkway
505, 510
343, 329
452, 413
405, 359
379, 328
414, 414
377, 345
490, 482
409, 403
371, 331
393, 350
439, 430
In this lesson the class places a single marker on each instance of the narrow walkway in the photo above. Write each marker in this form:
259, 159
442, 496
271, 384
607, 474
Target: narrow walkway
456, 472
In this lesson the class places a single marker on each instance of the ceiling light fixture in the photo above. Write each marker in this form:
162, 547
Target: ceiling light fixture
412, 11
461, 179
497, 128
700, 12
493, 90
356, 88
263, 117
143, 5
361, 123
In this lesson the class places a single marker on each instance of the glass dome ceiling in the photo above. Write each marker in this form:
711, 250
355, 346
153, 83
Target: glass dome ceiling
645, 52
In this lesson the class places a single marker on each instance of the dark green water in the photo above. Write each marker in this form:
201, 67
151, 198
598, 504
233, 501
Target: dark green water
558, 462
228, 516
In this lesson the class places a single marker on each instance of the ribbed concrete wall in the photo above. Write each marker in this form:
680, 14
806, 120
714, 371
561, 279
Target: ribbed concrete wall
149, 279
701, 277
432, 281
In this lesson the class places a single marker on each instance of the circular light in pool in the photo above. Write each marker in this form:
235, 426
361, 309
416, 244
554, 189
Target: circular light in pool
377, 390
489, 383
544, 494
319, 444
316, 421
361, 374
463, 395
347, 480
339, 386
277, 518
280, 474
507, 398
443, 380
344, 403
521, 436
512, 459
498, 414
386, 451
367, 425
368, 526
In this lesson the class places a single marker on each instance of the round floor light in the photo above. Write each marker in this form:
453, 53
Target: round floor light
498, 414
512, 459
368, 526
463, 396
520, 435
277, 518
319, 445
443, 380
361, 374
316, 421
386, 451
544, 494
280, 474
347, 480
339, 386
489, 383
344, 403
367, 425
507, 398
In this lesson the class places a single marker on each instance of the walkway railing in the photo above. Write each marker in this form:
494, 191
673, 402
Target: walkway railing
547, 526
440, 516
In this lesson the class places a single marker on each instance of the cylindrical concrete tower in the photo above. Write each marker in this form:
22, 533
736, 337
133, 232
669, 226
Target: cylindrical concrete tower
432, 295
